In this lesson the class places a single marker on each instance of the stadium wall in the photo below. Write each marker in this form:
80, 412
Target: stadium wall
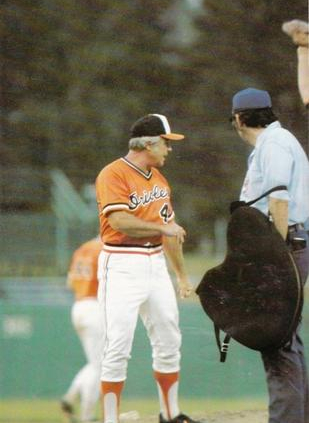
40, 354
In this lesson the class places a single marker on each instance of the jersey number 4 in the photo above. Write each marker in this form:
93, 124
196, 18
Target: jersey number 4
164, 213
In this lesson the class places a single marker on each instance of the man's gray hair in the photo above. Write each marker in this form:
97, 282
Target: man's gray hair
139, 143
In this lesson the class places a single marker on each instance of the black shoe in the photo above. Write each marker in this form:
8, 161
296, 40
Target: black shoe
181, 418
68, 411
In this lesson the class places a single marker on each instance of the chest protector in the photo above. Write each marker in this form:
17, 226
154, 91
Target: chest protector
256, 295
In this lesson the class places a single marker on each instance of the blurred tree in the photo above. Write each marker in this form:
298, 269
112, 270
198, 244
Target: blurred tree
28, 78
110, 73
252, 49
76, 74
30, 88
117, 75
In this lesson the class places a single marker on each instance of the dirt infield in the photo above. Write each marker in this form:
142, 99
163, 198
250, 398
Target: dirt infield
246, 416
243, 410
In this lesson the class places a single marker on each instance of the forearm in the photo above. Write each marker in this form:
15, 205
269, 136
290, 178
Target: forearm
279, 210
173, 250
174, 253
133, 226
303, 73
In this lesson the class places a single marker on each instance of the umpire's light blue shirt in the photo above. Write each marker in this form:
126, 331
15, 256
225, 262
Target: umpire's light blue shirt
278, 159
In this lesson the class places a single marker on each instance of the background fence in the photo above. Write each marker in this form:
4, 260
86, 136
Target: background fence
40, 352
42, 242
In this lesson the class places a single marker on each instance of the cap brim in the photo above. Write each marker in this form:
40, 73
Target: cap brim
173, 137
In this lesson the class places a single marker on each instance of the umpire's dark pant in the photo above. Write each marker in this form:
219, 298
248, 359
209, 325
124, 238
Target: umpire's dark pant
286, 368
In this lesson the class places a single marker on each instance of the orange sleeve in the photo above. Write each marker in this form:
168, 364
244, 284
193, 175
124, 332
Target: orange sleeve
112, 192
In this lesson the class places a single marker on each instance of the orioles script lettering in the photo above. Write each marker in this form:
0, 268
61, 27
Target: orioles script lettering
148, 197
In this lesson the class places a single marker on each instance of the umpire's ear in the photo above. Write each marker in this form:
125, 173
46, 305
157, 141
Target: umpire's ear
238, 120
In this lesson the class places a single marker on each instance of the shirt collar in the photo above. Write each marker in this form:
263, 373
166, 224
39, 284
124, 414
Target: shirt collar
267, 130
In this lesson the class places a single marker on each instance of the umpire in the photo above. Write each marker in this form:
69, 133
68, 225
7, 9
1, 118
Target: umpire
278, 159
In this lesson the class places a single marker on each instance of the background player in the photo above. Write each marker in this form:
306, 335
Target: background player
136, 217
82, 280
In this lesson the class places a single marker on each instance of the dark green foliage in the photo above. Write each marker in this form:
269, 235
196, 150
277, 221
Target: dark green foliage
76, 74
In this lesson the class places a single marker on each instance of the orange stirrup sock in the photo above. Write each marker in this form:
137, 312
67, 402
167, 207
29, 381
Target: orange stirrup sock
111, 392
168, 393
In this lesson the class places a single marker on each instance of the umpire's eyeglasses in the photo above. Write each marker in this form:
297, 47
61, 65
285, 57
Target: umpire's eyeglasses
232, 120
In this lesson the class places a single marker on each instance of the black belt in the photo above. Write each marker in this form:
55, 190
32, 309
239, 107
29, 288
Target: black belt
296, 227
147, 246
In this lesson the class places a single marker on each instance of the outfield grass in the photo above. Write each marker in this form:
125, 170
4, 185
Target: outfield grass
197, 263
47, 411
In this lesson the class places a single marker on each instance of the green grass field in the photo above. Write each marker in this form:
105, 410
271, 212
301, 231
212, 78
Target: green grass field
47, 411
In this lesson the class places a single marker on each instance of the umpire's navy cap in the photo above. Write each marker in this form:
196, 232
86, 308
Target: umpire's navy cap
154, 125
250, 98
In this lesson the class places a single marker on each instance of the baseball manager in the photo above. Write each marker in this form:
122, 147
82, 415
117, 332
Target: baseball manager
137, 225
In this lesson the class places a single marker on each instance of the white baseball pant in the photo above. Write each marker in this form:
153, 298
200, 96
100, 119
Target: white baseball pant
87, 321
132, 285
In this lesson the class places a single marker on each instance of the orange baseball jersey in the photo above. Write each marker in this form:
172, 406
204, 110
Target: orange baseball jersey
82, 276
121, 186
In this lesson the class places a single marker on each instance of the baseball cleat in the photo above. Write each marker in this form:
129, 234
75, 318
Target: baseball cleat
181, 418
68, 411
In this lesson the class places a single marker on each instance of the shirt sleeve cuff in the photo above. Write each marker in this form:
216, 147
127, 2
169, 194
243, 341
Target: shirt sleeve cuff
280, 195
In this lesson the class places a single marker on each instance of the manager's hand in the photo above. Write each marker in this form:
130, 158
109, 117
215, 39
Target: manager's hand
174, 230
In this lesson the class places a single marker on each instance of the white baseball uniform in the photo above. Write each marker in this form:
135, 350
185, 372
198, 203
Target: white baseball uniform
133, 276
86, 317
